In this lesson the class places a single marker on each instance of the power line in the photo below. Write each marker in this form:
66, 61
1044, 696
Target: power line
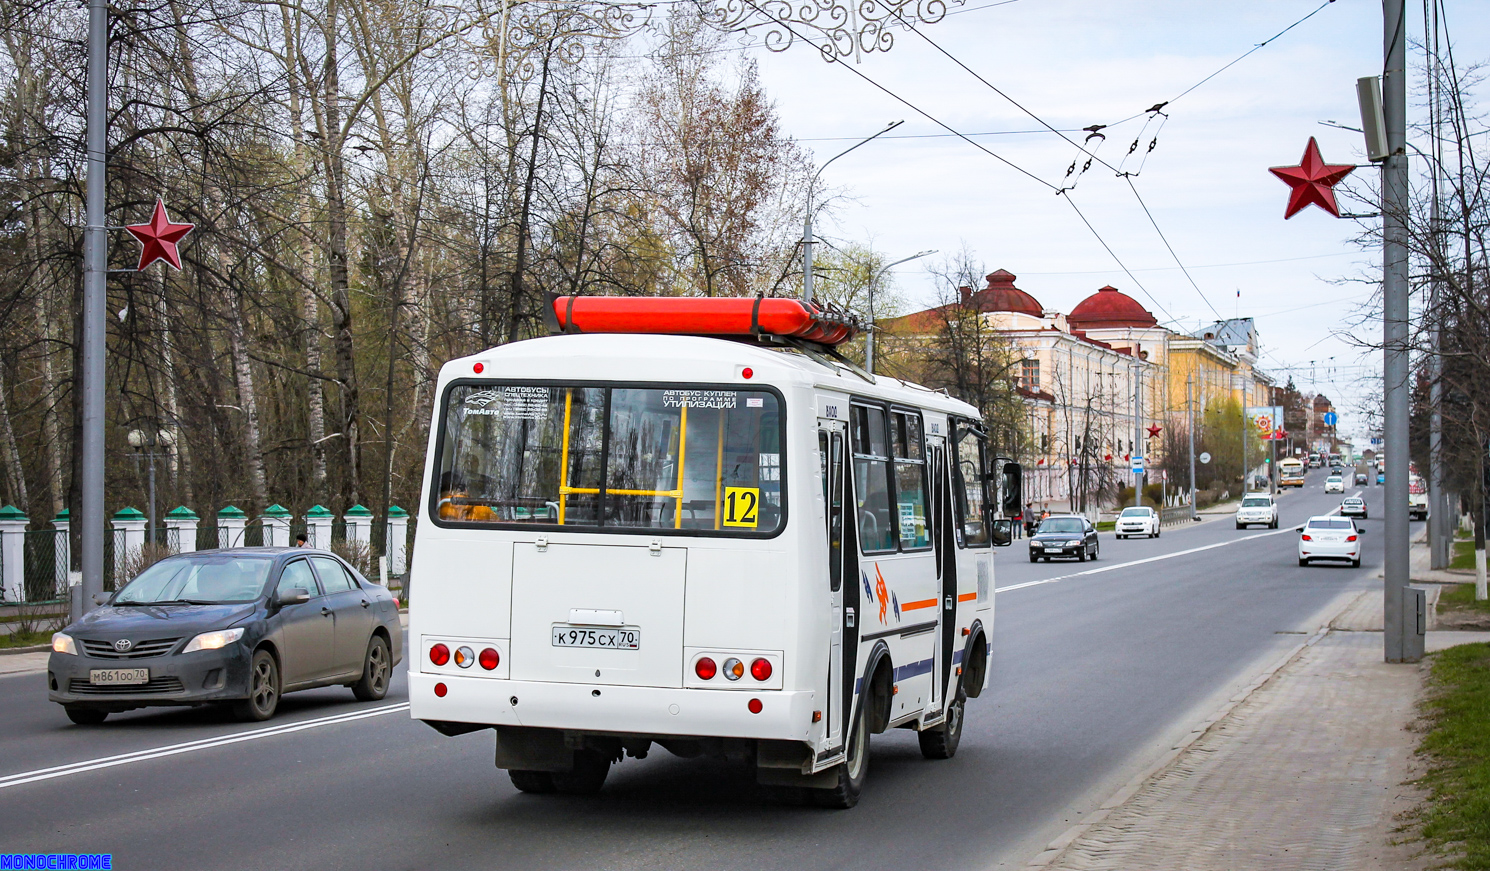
1162, 237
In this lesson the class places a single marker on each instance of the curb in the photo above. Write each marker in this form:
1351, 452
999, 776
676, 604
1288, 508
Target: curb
35, 648
1057, 848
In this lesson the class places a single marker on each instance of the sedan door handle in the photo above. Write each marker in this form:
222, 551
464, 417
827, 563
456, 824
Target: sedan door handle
325, 612
364, 603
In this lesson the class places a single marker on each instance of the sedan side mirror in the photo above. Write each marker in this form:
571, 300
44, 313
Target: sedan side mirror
296, 596
101, 598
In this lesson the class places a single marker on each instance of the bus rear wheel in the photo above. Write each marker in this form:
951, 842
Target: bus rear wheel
851, 773
940, 742
535, 782
590, 770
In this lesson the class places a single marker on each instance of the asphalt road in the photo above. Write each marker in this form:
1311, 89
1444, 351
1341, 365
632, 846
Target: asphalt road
1094, 675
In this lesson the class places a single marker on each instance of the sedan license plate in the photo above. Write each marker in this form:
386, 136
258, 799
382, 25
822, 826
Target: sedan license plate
116, 677
601, 637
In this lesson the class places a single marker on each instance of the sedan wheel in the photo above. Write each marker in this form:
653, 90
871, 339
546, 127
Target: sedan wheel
85, 716
376, 672
263, 689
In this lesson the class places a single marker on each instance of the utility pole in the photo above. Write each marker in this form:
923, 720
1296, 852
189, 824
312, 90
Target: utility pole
1190, 406
869, 337
807, 222
95, 276
1440, 526
1139, 446
1394, 203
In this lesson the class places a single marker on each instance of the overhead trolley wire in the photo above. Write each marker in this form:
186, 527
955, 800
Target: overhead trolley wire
1000, 158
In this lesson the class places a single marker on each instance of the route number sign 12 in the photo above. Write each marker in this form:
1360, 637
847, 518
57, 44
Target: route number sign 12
742, 506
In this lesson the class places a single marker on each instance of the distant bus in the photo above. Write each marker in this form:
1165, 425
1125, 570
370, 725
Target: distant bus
1290, 472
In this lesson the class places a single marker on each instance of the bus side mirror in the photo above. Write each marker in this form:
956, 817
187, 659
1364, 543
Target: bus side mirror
1013, 475
1003, 533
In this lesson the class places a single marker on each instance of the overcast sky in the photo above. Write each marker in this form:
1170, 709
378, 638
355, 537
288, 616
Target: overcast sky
1075, 63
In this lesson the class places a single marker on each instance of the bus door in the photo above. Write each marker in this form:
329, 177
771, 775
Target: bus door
940, 512
830, 444
974, 505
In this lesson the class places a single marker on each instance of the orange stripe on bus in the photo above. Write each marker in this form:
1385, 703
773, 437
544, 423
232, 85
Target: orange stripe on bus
967, 597
913, 606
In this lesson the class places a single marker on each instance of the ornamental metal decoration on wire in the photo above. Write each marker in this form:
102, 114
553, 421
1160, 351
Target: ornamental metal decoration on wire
514, 39
849, 28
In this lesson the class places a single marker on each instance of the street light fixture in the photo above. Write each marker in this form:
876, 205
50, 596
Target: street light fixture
807, 224
150, 444
869, 337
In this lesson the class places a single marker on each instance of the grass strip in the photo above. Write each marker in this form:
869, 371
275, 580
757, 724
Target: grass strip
1463, 555
1461, 596
1457, 749
24, 639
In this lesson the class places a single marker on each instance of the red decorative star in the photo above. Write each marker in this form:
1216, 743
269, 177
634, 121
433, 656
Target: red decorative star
1312, 181
159, 237
1154, 431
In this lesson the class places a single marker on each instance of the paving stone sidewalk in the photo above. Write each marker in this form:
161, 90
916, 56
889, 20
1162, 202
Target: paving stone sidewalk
1308, 771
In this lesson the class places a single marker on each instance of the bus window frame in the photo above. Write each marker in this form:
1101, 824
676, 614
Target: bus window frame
961, 425
923, 463
890, 408
432, 501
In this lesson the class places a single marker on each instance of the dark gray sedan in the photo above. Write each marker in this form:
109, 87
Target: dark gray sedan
1065, 535
240, 626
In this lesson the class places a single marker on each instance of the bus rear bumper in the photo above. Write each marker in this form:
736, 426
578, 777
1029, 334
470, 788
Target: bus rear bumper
783, 715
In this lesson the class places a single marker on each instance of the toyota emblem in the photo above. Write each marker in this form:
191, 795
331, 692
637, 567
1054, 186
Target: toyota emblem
123, 645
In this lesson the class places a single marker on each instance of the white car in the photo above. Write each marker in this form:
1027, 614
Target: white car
1257, 508
1329, 537
1334, 484
1137, 521
1353, 506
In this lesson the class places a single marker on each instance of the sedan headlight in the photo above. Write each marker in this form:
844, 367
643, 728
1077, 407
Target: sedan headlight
1040, 544
214, 640
63, 644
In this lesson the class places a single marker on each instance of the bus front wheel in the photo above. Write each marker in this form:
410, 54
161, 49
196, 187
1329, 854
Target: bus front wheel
852, 772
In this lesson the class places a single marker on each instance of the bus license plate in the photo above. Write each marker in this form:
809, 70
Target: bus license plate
112, 677
602, 637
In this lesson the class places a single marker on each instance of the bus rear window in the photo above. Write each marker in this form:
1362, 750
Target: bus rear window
611, 457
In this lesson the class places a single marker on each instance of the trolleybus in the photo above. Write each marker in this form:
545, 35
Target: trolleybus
697, 527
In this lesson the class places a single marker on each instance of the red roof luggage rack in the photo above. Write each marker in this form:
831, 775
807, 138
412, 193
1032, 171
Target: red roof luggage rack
705, 316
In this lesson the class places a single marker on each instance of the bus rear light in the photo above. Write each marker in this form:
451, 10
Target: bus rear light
734, 669
705, 668
490, 658
755, 706
464, 656
761, 669
441, 690
439, 654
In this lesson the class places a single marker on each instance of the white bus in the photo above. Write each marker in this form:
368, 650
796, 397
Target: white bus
719, 547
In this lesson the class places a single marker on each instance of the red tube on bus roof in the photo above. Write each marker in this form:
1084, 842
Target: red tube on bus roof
703, 316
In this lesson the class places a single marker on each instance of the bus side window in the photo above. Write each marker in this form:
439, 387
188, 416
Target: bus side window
971, 490
872, 480
830, 456
909, 449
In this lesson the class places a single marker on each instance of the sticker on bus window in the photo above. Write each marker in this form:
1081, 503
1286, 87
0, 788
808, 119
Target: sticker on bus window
742, 506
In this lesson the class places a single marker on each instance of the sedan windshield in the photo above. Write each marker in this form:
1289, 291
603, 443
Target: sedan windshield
1136, 512
203, 579
1061, 524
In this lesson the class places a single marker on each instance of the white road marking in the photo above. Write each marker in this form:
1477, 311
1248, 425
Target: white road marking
1163, 556
192, 746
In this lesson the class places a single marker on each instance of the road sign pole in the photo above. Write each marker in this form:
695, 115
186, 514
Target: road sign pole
1190, 406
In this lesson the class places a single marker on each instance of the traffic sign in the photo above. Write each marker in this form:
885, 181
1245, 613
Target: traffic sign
1138, 465
1331, 418
1204, 457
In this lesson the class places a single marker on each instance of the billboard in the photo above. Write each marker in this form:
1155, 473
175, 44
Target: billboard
1268, 419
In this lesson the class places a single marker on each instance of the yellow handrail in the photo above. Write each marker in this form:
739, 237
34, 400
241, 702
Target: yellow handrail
564, 457
682, 454
719, 473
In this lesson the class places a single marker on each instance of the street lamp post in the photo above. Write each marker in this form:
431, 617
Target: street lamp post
807, 223
869, 338
146, 443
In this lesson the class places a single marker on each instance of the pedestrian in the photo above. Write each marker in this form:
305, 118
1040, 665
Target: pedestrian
1029, 519
301, 540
